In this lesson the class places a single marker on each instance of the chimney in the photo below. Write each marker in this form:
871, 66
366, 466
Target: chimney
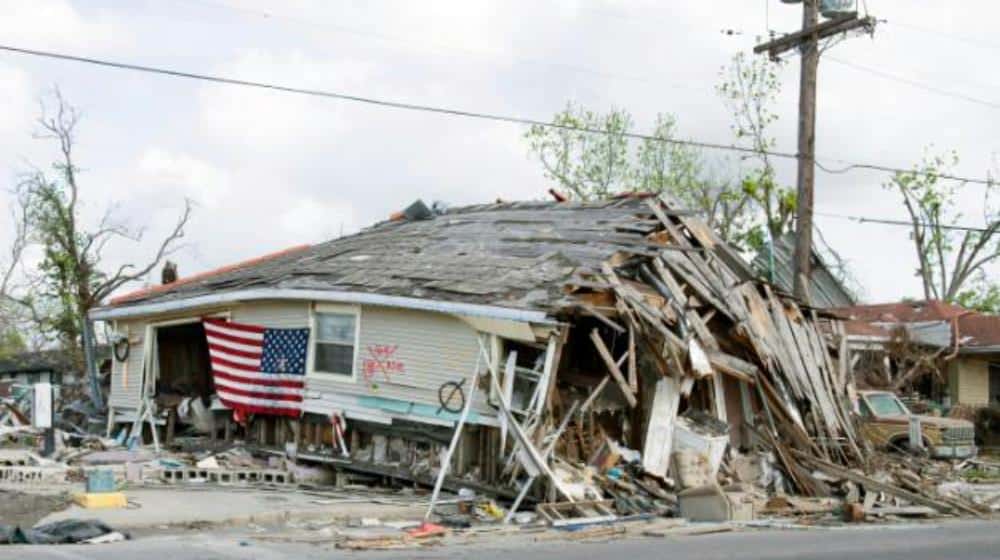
169, 273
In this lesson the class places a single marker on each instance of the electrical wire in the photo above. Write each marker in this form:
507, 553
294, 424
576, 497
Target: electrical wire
975, 41
914, 83
462, 112
906, 223
379, 102
439, 47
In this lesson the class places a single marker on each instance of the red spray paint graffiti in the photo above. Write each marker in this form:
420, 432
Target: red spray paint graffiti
381, 359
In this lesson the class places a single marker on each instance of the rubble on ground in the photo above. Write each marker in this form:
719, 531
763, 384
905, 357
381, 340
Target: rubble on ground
705, 396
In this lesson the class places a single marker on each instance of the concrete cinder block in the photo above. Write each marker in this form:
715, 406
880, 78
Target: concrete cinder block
21, 475
228, 476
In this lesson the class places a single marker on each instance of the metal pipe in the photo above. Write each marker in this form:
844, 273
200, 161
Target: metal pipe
446, 462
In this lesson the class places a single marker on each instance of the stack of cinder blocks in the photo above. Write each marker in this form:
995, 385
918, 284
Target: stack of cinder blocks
271, 477
22, 468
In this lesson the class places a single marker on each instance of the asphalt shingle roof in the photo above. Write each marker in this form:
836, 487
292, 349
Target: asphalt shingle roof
516, 254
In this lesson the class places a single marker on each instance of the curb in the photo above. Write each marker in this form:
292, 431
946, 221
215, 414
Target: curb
261, 518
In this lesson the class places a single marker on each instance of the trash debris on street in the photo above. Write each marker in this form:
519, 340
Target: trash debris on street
648, 383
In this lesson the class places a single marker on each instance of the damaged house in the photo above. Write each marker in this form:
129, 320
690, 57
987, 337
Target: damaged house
572, 330
944, 351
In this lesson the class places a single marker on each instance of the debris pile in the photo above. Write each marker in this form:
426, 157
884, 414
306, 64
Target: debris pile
699, 358
694, 325
671, 382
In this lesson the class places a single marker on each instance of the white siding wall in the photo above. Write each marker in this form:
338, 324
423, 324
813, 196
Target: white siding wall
433, 348
125, 382
274, 314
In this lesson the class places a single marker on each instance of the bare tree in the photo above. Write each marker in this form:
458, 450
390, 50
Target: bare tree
951, 262
70, 280
10, 312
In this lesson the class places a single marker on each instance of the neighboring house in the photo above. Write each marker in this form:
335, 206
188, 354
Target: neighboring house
52, 366
775, 264
960, 347
46, 366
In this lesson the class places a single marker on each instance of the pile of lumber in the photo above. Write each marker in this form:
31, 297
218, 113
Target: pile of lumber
644, 420
694, 310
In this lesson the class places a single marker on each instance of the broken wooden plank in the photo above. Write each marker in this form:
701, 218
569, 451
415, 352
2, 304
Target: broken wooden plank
613, 368
633, 374
590, 310
660, 429
676, 236
733, 366
871, 484
687, 272
594, 394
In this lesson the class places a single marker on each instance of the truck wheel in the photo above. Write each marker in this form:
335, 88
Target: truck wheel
902, 445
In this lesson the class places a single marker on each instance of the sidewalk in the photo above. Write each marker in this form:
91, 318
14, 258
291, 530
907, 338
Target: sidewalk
157, 507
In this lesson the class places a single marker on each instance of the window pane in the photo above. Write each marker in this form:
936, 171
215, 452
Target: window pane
334, 358
886, 405
335, 327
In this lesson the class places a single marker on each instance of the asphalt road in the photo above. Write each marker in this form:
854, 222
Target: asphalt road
965, 540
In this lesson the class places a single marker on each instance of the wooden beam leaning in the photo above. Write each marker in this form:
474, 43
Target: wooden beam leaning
732, 366
616, 373
593, 312
594, 394
633, 373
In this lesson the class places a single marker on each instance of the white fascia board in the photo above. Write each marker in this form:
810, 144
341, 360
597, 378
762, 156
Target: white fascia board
237, 296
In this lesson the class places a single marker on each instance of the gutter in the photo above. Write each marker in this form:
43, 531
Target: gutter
108, 313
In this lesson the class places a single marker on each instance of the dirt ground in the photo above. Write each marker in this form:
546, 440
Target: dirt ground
24, 510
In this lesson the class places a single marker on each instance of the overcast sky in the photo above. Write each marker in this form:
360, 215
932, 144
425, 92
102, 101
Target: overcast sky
270, 170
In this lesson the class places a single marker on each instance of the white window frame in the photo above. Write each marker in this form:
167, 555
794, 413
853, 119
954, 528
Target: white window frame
343, 309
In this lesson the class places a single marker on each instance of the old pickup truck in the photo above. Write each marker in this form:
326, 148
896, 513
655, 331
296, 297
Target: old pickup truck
886, 423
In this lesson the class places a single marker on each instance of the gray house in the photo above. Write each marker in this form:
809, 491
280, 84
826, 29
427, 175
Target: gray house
399, 316
561, 327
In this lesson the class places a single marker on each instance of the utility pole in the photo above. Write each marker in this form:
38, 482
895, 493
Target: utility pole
806, 180
807, 40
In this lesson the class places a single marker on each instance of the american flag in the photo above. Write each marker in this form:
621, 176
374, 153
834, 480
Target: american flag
258, 370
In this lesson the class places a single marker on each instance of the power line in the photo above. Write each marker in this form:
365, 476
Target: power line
916, 84
848, 166
465, 113
886, 221
975, 41
379, 102
440, 47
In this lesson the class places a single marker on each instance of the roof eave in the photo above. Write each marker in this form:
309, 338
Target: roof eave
110, 313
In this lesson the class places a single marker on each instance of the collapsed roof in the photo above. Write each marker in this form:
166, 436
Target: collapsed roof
512, 254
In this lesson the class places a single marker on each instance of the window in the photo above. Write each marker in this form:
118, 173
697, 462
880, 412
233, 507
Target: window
334, 348
886, 404
865, 410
